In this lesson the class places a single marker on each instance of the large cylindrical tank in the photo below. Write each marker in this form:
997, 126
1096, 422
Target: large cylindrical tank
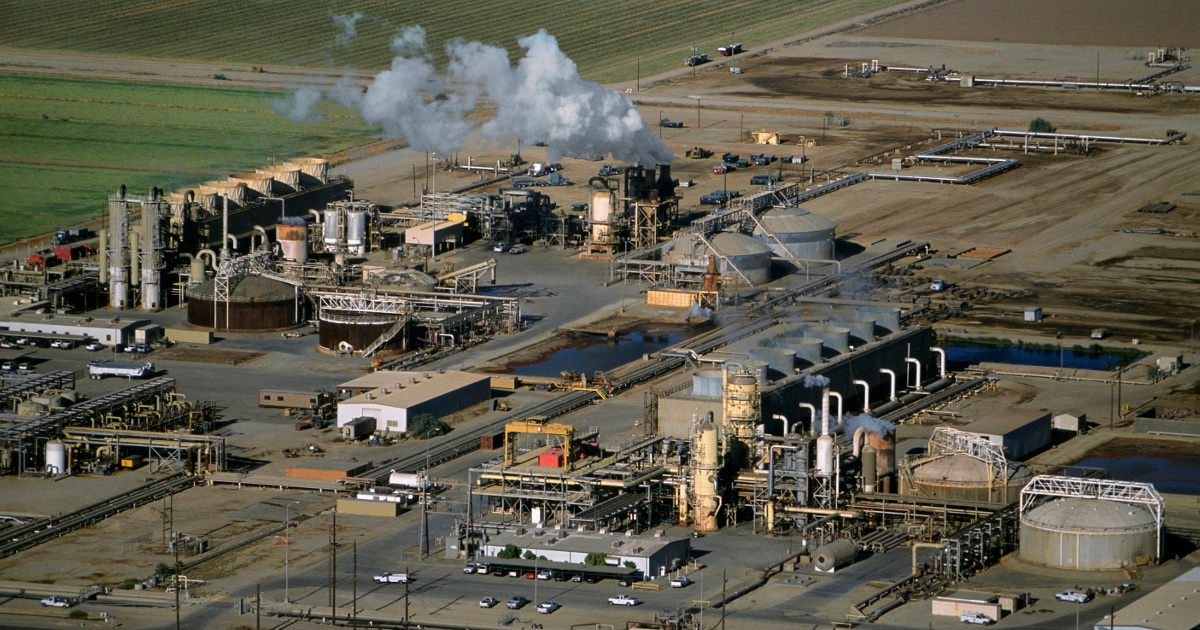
835, 337
706, 464
741, 402
707, 384
287, 178
803, 234
56, 457
256, 304
292, 234
748, 255
314, 171
779, 360
198, 271
261, 183
825, 455
885, 448
835, 555
408, 480
208, 199
806, 348
601, 206
342, 331
356, 232
1088, 534
862, 329
332, 232
959, 476
886, 318
236, 191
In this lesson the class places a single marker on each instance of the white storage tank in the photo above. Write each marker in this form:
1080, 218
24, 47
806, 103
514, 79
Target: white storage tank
56, 458
804, 234
752, 258
1088, 534
356, 232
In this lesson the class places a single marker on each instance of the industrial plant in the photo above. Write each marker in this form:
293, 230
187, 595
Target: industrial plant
796, 424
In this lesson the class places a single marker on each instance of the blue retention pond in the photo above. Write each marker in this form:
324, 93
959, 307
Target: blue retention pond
960, 354
1161, 464
586, 353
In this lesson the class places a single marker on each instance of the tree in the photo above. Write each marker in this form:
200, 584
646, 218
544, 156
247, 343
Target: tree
529, 555
1041, 125
425, 426
509, 552
595, 559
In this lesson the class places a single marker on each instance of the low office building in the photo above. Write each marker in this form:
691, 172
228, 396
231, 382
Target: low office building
1021, 432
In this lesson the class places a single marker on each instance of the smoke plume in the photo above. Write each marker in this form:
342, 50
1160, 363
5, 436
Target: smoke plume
299, 107
542, 99
870, 423
815, 380
349, 24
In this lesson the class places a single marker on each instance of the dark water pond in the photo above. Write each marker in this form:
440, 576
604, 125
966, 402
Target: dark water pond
1170, 472
586, 353
959, 355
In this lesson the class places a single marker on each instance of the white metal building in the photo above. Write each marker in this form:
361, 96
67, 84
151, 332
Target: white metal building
399, 396
653, 556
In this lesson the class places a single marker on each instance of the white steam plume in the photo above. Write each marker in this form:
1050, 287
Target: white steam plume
870, 423
815, 380
299, 105
540, 100
349, 24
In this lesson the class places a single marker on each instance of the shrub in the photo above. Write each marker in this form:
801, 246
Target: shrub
595, 559
1041, 125
529, 555
219, 77
128, 584
509, 552
77, 614
425, 426
630, 565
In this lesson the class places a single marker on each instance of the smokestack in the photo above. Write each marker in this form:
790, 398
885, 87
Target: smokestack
825, 410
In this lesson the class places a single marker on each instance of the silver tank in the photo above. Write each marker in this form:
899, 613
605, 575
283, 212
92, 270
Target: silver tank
356, 232
333, 228
1088, 534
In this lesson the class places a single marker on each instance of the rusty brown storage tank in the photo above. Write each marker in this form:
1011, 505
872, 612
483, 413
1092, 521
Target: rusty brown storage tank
292, 235
344, 331
256, 304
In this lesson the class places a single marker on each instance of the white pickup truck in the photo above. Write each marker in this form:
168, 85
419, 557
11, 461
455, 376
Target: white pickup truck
1073, 595
623, 600
388, 577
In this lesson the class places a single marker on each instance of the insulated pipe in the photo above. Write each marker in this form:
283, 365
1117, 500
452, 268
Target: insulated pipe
942, 363
892, 374
839, 400
780, 417
866, 395
225, 229
265, 237
229, 238
860, 438
212, 257
918, 364
812, 423
317, 214
825, 411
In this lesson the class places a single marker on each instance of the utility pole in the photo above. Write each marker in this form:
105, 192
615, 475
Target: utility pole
639, 72
175, 546
723, 606
258, 607
333, 565
354, 602
406, 572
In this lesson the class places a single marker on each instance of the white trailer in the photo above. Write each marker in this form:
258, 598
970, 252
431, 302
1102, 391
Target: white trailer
100, 369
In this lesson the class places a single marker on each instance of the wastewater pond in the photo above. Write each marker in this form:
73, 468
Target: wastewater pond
587, 353
961, 354
1163, 465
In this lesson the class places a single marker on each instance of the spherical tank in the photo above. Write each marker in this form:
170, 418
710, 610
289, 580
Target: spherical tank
256, 304
1088, 534
886, 317
292, 234
780, 360
835, 555
803, 234
707, 384
961, 476
314, 171
835, 337
806, 348
342, 331
56, 457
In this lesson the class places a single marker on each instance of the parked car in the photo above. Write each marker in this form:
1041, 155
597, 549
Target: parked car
7, 366
624, 600
118, 347
516, 602
680, 581
938, 285
387, 577
577, 578
95, 346
1100, 333
671, 124
483, 567
529, 575
514, 573
1072, 595
547, 607
626, 581
488, 602
559, 576
592, 579
499, 573
470, 568
500, 247
518, 249
974, 617
57, 602
545, 574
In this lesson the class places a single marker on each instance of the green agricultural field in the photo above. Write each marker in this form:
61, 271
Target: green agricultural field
66, 144
604, 37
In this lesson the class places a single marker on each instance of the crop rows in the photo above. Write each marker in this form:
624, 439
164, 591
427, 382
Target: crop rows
603, 37
75, 141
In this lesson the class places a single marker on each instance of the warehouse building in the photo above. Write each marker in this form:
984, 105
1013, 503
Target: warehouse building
1020, 432
393, 398
1171, 606
652, 556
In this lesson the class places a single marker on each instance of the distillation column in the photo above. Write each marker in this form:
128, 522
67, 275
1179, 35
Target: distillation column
706, 466
118, 221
